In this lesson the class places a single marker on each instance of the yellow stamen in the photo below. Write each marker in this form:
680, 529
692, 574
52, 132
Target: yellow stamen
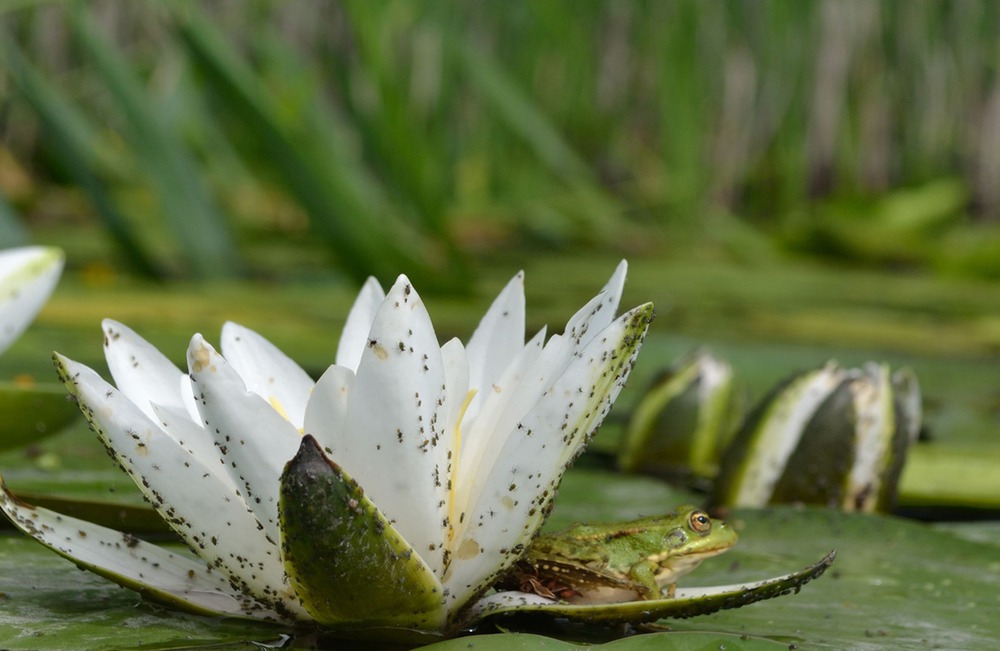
278, 407
456, 448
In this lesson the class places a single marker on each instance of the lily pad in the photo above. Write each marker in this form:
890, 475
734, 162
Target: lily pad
897, 584
675, 641
46, 604
32, 412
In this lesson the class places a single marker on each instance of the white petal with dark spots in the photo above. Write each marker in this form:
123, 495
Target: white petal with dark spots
253, 441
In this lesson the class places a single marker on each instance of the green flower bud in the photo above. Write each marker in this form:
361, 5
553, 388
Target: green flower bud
831, 436
682, 421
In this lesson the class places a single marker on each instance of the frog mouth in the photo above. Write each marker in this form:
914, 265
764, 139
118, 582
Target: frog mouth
677, 567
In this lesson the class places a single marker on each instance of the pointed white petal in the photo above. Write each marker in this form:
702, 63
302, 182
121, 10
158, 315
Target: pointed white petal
512, 498
206, 512
254, 441
27, 277
354, 337
193, 438
395, 443
267, 371
560, 350
456, 381
457, 397
486, 434
142, 372
600, 311
158, 574
498, 338
326, 413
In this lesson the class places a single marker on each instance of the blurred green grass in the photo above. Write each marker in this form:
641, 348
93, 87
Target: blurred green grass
281, 140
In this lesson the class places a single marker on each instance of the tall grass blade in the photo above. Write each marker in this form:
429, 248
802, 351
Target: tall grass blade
69, 135
306, 146
589, 205
189, 209
389, 125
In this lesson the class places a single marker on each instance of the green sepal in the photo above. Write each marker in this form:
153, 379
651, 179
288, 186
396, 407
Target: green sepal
751, 463
816, 471
682, 419
346, 562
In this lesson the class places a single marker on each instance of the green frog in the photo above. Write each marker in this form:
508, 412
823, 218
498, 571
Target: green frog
624, 561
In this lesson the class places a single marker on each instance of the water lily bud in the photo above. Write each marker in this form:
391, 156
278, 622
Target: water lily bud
830, 436
680, 424
27, 276
28, 411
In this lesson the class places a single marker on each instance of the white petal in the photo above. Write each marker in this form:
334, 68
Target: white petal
267, 371
27, 277
206, 512
162, 575
876, 424
561, 350
456, 401
354, 337
326, 413
456, 380
599, 312
194, 438
395, 443
512, 499
485, 436
498, 338
254, 440
142, 372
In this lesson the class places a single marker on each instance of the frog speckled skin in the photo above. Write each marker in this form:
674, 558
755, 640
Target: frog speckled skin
623, 561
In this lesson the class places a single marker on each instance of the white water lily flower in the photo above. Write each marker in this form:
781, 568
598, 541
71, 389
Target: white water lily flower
27, 277
390, 493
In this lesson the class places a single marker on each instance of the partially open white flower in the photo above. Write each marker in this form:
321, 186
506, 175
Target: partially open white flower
390, 493
27, 276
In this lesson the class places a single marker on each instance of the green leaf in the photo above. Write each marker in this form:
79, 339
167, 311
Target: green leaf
30, 413
46, 603
675, 641
345, 560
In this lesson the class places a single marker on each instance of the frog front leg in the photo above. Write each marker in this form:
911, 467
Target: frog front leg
643, 576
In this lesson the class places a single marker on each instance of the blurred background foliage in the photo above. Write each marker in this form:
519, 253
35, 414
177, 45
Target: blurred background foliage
282, 140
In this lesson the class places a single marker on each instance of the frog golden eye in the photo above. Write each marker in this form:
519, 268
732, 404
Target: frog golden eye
700, 522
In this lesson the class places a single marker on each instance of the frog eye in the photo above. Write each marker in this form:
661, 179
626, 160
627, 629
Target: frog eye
700, 522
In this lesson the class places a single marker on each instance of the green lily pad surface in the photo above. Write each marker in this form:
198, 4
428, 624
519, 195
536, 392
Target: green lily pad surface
896, 584
33, 412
